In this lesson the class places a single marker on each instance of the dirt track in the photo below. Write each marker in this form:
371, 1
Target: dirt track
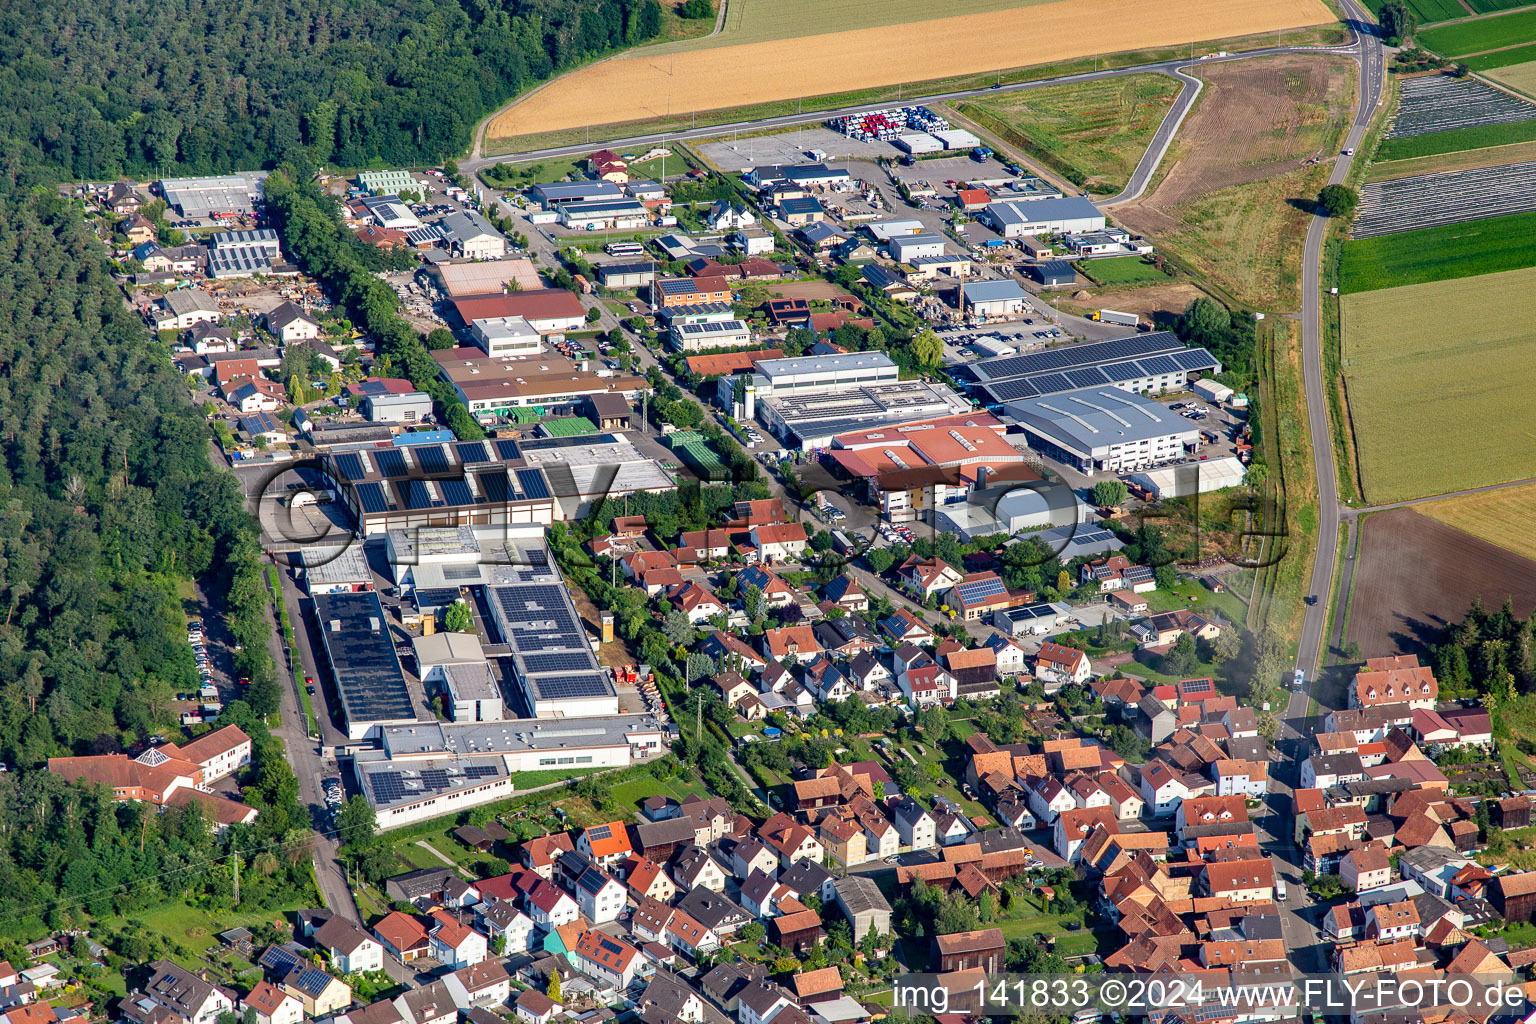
1256, 120
1416, 576
648, 86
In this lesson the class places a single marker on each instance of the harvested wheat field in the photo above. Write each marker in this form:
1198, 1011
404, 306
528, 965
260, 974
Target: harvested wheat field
1226, 200
1505, 517
648, 85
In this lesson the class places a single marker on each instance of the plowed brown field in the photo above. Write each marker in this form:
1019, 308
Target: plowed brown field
648, 85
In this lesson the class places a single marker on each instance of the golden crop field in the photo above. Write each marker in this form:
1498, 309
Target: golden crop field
1506, 518
1519, 77
649, 84
1437, 377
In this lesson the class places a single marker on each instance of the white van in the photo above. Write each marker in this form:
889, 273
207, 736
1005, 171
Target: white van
1280, 890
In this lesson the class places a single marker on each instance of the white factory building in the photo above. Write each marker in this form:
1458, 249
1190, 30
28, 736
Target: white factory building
1104, 429
506, 336
603, 215
993, 298
711, 334
1042, 217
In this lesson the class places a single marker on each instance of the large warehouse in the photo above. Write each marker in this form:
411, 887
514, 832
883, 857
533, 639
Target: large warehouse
431, 769
363, 662
1042, 217
228, 195
813, 420
1195, 478
804, 375
993, 298
1103, 429
1144, 363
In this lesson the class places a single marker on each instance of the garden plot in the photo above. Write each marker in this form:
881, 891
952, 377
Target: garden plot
1429, 200
1439, 103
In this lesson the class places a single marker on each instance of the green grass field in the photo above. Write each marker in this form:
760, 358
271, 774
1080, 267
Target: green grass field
1438, 254
1502, 58
1431, 11
1093, 133
1490, 6
1122, 270
1437, 377
1483, 34
1477, 137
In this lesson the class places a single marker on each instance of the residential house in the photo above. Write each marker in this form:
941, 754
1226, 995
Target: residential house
352, 950
269, 1004
982, 950
403, 936
606, 958
1057, 666
174, 988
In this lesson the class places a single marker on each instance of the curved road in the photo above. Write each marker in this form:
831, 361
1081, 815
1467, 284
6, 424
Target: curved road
1133, 189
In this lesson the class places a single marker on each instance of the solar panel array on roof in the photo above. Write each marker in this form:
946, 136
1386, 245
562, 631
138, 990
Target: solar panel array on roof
1013, 378
417, 495
362, 654
599, 832
531, 482
434, 597
1093, 537
456, 492
1160, 364
586, 684
350, 465
508, 450
1071, 356
1087, 378
371, 495
977, 591
391, 463
556, 661
432, 458
1196, 685
470, 452
494, 486
1137, 574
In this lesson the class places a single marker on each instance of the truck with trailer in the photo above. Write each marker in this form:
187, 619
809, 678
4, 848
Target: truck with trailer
1113, 316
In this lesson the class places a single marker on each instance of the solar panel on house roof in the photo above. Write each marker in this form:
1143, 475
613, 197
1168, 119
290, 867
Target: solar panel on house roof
371, 495
981, 590
456, 492
599, 832
390, 462
472, 451
350, 465
1196, 685
532, 483
1137, 574
432, 458
508, 450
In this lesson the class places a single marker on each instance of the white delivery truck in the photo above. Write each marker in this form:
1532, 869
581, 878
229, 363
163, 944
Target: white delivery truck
1112, 316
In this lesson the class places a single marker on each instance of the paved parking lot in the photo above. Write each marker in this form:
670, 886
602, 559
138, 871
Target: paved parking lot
791, 148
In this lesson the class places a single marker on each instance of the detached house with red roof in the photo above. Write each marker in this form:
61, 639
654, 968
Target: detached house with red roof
605, 845
1398, 680
696, 601
454, 943
778, 542
601, 956
798, 642
928, 576
1116, 572
1057, 666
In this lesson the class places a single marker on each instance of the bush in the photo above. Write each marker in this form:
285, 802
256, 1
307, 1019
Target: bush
695, 9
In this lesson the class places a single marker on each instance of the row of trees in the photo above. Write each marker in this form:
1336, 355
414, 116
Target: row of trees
195, 88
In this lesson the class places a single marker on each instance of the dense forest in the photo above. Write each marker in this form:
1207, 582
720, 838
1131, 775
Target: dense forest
190, 86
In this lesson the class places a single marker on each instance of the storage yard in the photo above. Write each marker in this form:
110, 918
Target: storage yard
1429, 200
1439, 103
643, 86
1452, 357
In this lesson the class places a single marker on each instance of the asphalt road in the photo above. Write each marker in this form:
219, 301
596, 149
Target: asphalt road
1372, 72
474, 163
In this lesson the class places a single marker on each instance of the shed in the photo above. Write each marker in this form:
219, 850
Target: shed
1054, 273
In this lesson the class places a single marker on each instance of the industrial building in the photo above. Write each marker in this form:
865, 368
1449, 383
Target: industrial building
804, 375
547, 310
698, 337
1143, 363
1042, 217
1195, 478
1032, 619
500, 336
361, 653
1104, 429
1006, 508
993, 298
626, 275
812, 420
431, 769
552, 196
583, 470
229, 195
465, 483
1054, 273
906, 248
472, 236
604, 214
387, 182
389, 212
